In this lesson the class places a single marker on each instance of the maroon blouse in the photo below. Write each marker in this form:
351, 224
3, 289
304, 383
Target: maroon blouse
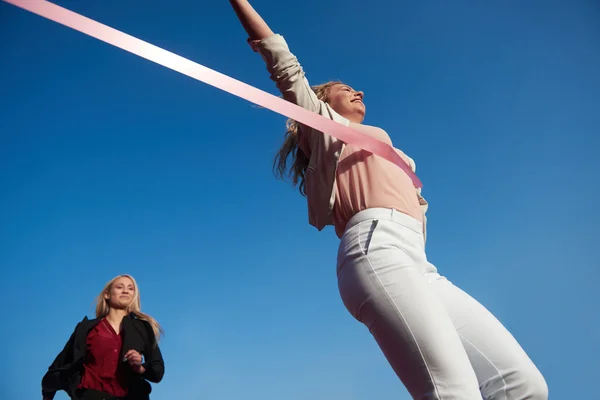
102, 368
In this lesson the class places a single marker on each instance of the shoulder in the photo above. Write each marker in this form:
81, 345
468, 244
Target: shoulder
83, 326
140, 324
144, 328
86, 323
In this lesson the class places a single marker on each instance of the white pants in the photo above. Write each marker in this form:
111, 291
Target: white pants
441, 342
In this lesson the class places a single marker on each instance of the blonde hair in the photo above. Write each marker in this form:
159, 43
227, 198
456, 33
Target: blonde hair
290, 146
103, 307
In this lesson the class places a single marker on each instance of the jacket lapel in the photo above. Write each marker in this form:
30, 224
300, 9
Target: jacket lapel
127, 332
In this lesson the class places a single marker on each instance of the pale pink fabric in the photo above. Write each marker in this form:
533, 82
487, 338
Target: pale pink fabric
365, 181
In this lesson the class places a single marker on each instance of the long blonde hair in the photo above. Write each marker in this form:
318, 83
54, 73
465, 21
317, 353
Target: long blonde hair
290, 146
102, 306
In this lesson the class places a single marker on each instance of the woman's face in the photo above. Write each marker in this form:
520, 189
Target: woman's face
121, 293
347, 102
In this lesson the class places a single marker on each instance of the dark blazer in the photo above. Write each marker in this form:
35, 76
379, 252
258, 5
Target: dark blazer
66, 371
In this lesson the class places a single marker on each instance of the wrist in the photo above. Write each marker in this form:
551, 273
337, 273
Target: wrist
140, 369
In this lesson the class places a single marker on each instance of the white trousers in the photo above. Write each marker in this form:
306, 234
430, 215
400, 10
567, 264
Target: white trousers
441, 342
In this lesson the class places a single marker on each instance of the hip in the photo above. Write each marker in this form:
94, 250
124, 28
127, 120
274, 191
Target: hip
380, 232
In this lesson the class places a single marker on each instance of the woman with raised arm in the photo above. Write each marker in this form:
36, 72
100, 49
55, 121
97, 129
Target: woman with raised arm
441, 342
113, 356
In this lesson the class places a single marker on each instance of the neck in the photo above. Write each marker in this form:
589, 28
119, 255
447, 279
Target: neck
115, 315
357, 118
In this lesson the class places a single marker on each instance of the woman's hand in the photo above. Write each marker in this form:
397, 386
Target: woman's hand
134, 359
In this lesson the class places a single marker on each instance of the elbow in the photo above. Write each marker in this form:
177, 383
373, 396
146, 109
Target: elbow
155, 372
286, 75
51, 382
159, 373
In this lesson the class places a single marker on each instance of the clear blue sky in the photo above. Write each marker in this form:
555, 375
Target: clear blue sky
111, 164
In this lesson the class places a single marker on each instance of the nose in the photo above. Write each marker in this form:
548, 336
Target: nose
360, 94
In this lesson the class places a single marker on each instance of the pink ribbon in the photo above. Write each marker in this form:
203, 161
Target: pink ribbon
199, 72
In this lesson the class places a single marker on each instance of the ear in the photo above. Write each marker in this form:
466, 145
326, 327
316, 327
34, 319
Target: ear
106, 295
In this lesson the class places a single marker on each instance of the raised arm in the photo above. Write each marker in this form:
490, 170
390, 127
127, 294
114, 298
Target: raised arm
255, 26
283, 66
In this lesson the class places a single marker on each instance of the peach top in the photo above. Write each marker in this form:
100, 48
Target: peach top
366, 181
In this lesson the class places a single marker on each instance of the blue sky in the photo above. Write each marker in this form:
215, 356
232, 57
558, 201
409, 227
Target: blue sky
111, 164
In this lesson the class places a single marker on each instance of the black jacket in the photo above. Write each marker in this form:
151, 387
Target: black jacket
65, 373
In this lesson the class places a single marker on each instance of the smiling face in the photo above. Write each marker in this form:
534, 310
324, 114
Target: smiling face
121, 293
347, 102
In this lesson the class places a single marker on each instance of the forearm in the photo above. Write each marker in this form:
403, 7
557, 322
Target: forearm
255, 26
283, 66
139, 369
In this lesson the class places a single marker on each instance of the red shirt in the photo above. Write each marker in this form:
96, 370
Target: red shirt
102, 368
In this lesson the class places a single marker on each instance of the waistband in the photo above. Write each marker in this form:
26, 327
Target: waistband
92, 394
389, 214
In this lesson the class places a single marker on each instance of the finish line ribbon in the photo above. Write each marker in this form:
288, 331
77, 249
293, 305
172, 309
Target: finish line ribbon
199, 72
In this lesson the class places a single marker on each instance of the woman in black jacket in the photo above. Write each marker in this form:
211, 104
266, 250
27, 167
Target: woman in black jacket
113, 356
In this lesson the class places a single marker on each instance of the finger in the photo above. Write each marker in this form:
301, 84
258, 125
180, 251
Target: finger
131, 353
135, 358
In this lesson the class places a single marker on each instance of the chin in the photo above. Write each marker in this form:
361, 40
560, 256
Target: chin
360, 110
